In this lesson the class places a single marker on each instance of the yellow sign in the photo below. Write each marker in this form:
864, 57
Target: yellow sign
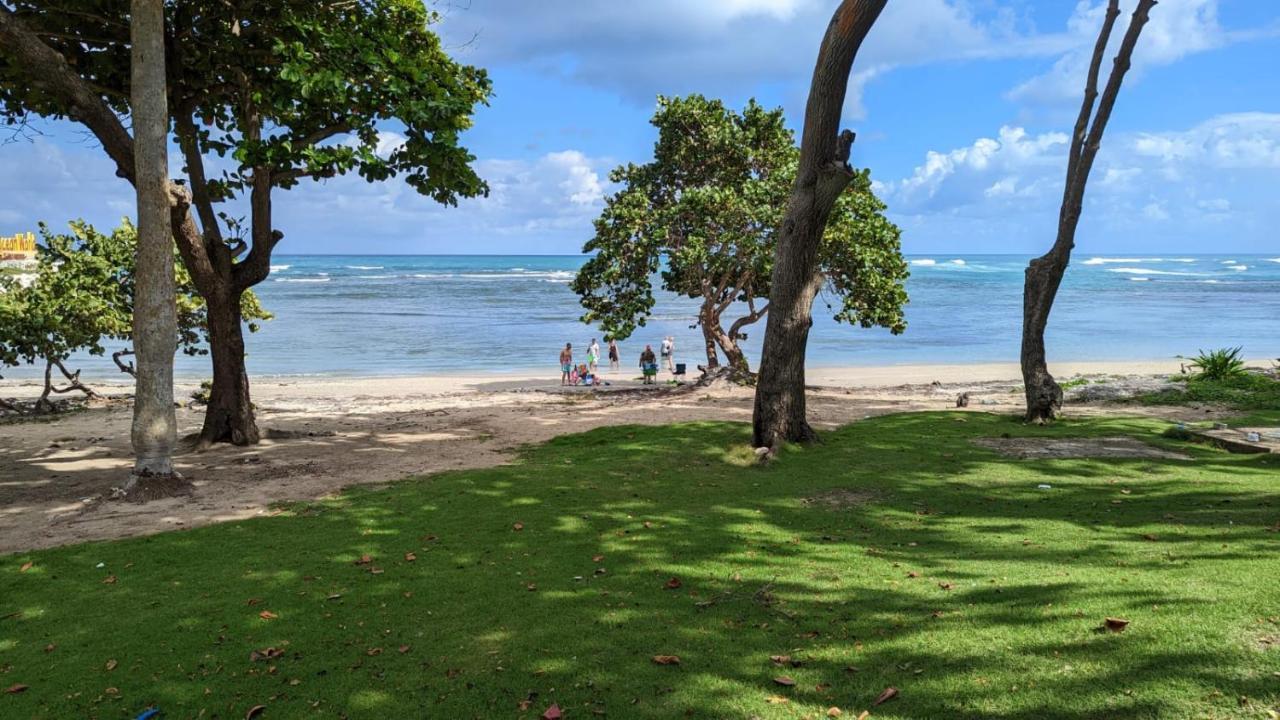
21, 243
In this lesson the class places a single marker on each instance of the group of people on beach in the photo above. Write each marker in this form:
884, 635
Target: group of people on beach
588, 373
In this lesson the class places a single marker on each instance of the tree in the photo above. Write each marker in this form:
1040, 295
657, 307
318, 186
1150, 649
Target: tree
1044, 274
822, 175
155, 311
703, 215
289, 91
82, 297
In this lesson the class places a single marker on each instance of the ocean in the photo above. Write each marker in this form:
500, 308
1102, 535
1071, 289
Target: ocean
404, 315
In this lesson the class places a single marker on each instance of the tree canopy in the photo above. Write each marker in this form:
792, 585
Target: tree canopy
702, 219
81, 297
261, 96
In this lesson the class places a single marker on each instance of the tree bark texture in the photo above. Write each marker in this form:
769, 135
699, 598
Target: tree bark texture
1044, 274
155, 315
823, 173
229, 416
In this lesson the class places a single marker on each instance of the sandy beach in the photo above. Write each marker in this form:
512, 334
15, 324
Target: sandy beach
324, 434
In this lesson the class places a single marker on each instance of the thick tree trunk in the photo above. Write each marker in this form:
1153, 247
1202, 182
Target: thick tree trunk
229, 416
155, 323
1043, 394
823, 173
1044, 274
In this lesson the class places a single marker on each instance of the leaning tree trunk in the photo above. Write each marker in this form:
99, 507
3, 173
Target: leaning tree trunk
823, 173
706, 321
1044, 274
229, 416
155, 323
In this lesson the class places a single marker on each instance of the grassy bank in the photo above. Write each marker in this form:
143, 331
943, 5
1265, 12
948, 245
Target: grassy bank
1249, 391
926, 563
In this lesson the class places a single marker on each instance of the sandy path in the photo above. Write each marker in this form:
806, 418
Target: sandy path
326, 434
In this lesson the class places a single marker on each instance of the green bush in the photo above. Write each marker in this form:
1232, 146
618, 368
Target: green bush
1220, 364
1244, 391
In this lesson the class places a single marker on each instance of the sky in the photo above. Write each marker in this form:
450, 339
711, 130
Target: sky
962, 109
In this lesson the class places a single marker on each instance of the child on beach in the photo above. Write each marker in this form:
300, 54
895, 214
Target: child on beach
668, 352
613, 354
593, 356
648, 365
566, 363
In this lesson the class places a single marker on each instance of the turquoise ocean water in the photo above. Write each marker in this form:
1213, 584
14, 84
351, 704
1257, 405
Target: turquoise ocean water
381, 315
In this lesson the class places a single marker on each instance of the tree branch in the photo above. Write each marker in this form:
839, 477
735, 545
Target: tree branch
50, 72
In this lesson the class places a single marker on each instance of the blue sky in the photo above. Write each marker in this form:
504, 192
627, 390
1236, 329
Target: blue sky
961, 108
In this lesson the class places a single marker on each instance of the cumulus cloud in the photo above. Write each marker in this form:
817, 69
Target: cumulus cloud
543, 204
724, 47
1002, 193
1174, 31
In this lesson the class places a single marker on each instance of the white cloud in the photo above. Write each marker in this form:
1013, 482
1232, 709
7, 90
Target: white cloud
544, 204
723, 47
1175, 30
990, 168
1003, 193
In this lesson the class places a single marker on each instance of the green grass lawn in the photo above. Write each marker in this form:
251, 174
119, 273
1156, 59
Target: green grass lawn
495, 593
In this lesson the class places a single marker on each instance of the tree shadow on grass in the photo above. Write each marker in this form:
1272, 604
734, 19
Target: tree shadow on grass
962, 584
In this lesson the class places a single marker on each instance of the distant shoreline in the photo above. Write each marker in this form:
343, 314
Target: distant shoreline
547, 379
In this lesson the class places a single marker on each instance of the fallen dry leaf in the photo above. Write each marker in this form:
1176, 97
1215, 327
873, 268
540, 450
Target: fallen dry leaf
648, 524
109, 580
884, 697
265, 654
1150, 537
518, 527
364, 560
666, 659
780, 659
673, 584
552, 713
111, 665
254, 712
834, 712
913, 574
373, 651
375, 571
1115, 624
864, 715
403, 649
267, 615
50, 647
945, 585
777, 700
26, 566
16, 688
596, 558
785, 681
410, 557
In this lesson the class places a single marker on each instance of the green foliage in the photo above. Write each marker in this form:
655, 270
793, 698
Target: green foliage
897, 553
1245, 391
82, 295
704, 214
299, 87
1220, 364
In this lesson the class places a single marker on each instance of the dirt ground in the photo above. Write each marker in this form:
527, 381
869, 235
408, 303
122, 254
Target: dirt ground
57, 474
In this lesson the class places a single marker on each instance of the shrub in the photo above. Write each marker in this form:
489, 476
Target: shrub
1221, 364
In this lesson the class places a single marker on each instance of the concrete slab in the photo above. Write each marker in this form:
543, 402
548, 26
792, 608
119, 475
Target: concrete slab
1238, 440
